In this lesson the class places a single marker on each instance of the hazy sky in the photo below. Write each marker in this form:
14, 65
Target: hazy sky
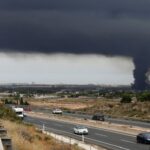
65, 69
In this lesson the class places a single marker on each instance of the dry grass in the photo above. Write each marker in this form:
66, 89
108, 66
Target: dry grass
28, 138
74, 104
137, 110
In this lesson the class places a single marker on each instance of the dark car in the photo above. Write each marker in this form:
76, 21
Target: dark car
143, 138
99, 117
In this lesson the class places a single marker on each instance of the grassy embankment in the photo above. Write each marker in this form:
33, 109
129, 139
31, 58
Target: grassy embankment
26, 137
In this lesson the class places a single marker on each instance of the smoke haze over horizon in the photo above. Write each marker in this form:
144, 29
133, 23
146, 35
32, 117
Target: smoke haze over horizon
65, 69
113, 28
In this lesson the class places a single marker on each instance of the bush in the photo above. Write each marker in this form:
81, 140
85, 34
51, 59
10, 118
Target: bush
6, 101
144, 96
126, 98
26, 103
7, 113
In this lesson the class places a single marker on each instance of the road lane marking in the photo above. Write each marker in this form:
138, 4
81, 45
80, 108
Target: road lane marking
103, 135
109, 144
101, 129
28, 119
59, 125
102, 142
127, 141
111, 131
120, 147
43, 122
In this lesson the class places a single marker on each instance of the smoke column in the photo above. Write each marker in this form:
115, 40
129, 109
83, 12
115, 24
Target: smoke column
109, 27
141, 69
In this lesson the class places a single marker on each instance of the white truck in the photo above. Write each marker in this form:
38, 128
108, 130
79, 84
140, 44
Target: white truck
19, 112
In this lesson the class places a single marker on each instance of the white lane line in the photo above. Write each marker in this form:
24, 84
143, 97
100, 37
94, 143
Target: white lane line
103, 135
43, 122
109, 144
59, 125
100, 129
111, 131
30, 119
127, 141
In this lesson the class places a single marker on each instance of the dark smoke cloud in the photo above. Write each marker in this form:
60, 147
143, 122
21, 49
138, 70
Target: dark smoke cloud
111, 27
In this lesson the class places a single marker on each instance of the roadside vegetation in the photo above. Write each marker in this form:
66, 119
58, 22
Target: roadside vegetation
27, 137
6, 113
127, 104
119, 104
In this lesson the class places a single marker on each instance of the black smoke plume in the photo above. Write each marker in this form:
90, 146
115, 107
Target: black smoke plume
110, 27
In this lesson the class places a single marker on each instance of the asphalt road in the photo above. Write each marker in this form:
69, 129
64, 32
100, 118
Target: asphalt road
113, 120
108, 139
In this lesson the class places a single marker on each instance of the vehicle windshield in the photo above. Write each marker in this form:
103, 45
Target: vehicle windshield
19, 113
57, 109
147, 135
80, 127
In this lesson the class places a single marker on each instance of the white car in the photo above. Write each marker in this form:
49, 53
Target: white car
80, 130
57, 111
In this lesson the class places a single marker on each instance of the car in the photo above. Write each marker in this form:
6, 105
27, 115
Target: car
80, 130
57, 111
143, 138
99, 117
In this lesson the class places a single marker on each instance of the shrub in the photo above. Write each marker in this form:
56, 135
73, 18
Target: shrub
126, 98
7, 113
144, 96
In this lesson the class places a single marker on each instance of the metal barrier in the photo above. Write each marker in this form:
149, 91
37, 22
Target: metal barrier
1, 145
5, 141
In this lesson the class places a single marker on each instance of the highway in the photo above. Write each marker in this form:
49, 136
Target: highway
108, 139
113, 120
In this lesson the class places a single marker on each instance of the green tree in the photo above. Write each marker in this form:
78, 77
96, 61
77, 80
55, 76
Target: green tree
6, 101
17, 98
21, 101
26, 103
